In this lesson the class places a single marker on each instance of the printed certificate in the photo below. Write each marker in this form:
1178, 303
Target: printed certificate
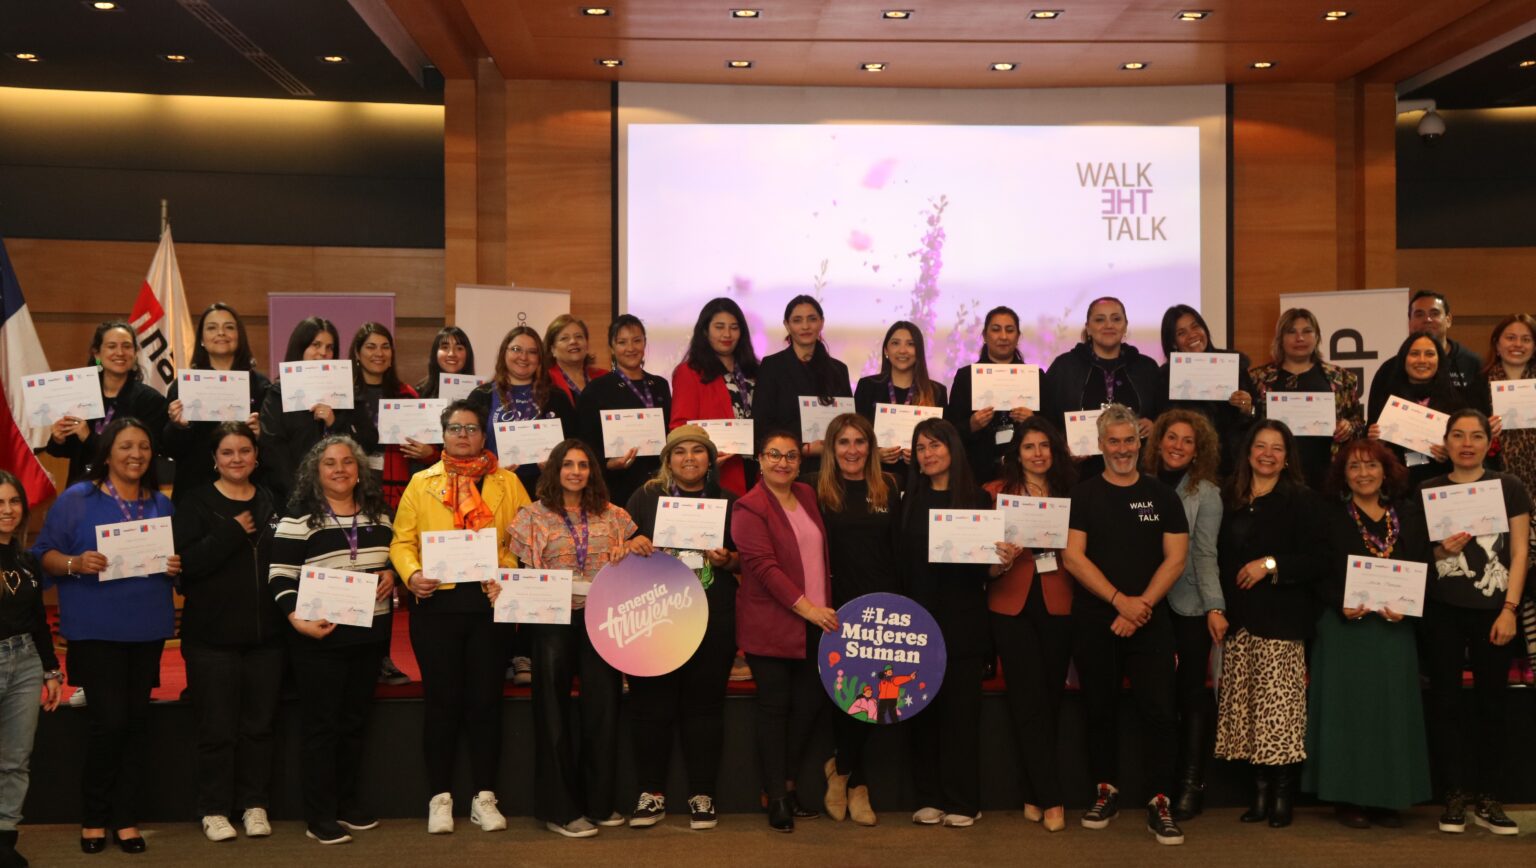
1476, 508
1202, 376
1307, 414
1379, 583
452, 556
456, 387
1082, 429
306, 384
965, 536
1035, 522
816, 416
135, 548
533, 597
419, 419
730, 436
1411, 425
1514, 401
1003, 387
894, 423
214, 396
338, 596
52, 396
690, 523
527, 442
642, 430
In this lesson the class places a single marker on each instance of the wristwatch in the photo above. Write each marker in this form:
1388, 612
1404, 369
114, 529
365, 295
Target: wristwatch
1269, 565
53, 675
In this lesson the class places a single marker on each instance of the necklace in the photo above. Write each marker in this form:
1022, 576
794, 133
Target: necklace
1377, 546
10, 585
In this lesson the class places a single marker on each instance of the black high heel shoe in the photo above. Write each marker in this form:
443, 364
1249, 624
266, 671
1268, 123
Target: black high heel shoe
799, 811
130, 845
92, 845
781, 817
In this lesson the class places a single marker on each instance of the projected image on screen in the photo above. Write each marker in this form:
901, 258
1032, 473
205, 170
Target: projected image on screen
932, 224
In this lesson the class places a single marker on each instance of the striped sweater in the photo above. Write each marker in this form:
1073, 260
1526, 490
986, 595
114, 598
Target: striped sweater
295, 545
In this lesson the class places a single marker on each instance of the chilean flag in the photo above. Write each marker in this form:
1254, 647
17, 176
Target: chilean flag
161, 318
21, 353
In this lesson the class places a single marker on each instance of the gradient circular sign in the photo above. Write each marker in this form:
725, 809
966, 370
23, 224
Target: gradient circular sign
886, 661
646, 616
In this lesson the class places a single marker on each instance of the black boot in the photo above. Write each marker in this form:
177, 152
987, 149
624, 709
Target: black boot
1285, 794
1258, 812
781, 816
1191, 796
9, 858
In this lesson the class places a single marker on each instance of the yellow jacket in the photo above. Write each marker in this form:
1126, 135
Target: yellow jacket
421, 509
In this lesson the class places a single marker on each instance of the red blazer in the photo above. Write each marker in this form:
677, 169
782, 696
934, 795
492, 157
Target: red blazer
1007, 594
772, 578
692, 400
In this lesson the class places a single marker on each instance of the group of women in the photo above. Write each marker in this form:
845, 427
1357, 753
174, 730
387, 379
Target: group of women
811, 526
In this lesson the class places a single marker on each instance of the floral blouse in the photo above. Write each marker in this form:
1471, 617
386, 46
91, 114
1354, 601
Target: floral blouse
541, 540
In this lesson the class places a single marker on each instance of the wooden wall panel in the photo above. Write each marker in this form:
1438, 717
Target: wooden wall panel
460, 188
1483, 284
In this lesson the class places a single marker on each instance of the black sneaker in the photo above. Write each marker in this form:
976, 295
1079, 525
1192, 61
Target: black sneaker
1105, 808
1490, 815
357, 821
651, 810
327, 833
701, 813
1454, 817
1160, 821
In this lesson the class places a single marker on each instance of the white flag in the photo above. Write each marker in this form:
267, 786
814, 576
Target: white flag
161, 319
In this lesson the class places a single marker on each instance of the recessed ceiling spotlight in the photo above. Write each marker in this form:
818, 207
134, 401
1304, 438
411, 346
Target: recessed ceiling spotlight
1193, 14
738, 64
1336, 15
175, 58
872, 67
26, 57
596, 11
106, 6
1004, 67
1527, 64
333, 58
609, 62
746, 13
1045, 14
896, 14
1263, 64
1133, 65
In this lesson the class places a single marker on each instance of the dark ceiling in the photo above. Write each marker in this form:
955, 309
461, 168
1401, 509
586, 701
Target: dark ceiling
1494, 81
281, 42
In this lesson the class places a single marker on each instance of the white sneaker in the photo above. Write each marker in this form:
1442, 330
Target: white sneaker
959, 821
256, 823
217, 828
580, 827
483, 813
522, 671
76, 699
614, 819
928, 816
440, 814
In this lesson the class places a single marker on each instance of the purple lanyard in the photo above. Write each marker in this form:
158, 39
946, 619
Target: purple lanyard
582, 542
890, 388
350, 534
138, 505
645, 396
1109, 385
107, 419
743, 391
575, 392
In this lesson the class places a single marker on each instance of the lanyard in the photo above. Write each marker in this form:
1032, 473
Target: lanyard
107, 419
1109, 384
350, 534
743, 395
582, 542
138, 505
890, 388
642, 391
575, 391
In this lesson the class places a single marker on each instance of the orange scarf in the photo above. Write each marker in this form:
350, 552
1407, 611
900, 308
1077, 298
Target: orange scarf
462, 497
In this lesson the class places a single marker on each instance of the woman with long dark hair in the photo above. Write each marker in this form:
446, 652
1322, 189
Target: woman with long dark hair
116, 629
803, 368
222, 345
1418, 373
1296, 365
373, 380
988, 434
520, 391
451, 354
903, 379
627, 387
716, 379
115, 352
286, 437
1184, 331
1030, 608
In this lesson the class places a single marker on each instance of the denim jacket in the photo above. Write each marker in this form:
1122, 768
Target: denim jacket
1199, 590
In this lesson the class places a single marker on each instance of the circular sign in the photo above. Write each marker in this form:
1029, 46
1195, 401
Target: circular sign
646, 616
886, 661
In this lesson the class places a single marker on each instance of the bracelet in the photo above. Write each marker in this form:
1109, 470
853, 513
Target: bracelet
1511, 606
1112, 597
69, 566
53, 675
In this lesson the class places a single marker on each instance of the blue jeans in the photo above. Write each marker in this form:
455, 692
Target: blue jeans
21, 683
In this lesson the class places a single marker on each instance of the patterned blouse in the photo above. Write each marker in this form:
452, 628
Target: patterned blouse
1343, 382
541, 539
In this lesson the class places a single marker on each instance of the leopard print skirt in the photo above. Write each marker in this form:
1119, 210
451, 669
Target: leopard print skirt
1263, 714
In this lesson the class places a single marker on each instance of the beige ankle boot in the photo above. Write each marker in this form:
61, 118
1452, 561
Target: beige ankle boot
836, 801
858, 806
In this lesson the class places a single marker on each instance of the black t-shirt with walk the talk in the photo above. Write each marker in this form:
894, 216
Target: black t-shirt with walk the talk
1125, 527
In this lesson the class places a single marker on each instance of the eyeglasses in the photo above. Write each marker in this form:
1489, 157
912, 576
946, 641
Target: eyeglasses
1433, 313
462, 430
777, 457
522, 351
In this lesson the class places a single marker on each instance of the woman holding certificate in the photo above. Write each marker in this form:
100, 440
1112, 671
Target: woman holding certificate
452, 355
520, 391
1418, 373
690, 700
221, 346
627, 387
946, 738
1475, 585
1184, 331
1269, 560
337, 523
1103, 369
573, 526
1296, 365
286, 437
116, 625
231, 636
715, 380
1512, 356
1182, 452
782, 608
373, 380
115, 352
803, 369
1366, 750
1031, 608
987, 433
462, 651
903, 379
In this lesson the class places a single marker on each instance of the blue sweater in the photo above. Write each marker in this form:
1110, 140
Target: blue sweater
138, 609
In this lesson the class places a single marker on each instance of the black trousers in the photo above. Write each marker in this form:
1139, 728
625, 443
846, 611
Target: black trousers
335, 692
790, 701
1455, 637
235, 690
849, 736
117, 677
690, 702
573, 777
946, 739
1103, 661
1035, 647
463, 657
1192, 644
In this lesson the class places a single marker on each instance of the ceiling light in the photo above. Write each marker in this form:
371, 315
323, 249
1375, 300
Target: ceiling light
872, 67
596, 11
1004, 67
1133, 65
26, 57
746, 13
106, 6
1336, 15
1193, 14
1263, 64
332, 58
1527, 64
175, 58
1045, 14
896, 14
738, 64
609, 62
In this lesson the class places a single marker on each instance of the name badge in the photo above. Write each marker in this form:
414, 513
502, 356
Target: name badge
1045, 562
691, 559
1414, 459
581, 589
1004, 436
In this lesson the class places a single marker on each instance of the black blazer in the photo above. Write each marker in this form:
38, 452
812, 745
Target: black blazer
781, 379
1286, 524
135, 399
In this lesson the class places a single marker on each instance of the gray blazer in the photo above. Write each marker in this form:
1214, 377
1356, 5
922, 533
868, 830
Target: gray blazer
1199, 590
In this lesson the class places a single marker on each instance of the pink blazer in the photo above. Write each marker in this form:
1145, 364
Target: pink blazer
772, 578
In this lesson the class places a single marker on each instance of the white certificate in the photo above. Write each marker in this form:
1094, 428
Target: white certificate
420, 419
1035, 522
527, 442
1476, 508
1082, 429
135, 548
338, 596
306, 384
642, 430
452, 556
1307, 414
456, 387
816, 416
1379, 583
965, 536
533, 597
1003, 387
1202, 376
50, 397
696, 523
214, 396
1411, 425
1515, 402
730, 436
894, 423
